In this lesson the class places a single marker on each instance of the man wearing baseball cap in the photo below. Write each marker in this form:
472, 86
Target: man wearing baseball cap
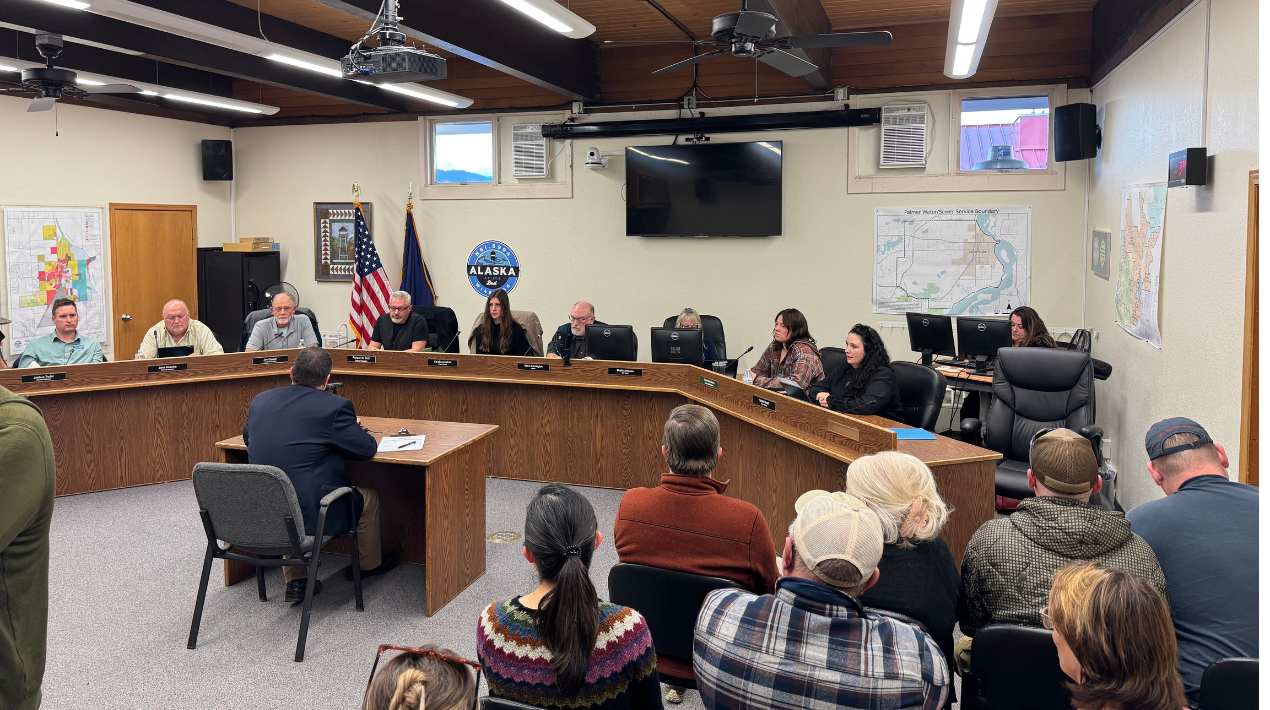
812, 644
1010, 562
1204, 532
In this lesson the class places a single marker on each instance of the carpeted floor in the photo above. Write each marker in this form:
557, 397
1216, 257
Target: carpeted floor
124, 574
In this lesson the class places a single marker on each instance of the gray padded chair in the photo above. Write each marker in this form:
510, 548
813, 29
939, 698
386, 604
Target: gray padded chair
921, 393
251, 514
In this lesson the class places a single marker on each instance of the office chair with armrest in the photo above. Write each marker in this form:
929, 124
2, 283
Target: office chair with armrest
669, 601
1014, 668
254, 511
258, 315
921, 393
711, 334
831, 358
525, 319
1229, 684
443, 327
1034, 388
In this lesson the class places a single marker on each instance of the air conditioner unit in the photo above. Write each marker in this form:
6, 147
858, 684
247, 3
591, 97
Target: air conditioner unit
529, 151
905, 132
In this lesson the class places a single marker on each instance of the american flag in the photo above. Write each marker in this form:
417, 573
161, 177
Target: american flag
370, 283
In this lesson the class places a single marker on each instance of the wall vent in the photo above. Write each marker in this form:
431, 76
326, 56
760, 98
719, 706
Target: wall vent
529, 151
905, 132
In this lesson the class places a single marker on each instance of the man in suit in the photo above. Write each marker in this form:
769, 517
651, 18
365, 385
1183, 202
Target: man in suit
308, 433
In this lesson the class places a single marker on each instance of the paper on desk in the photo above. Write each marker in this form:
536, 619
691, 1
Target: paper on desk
401, 443
904, 434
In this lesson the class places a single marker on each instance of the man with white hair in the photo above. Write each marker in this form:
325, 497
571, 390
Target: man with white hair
400, 328
570, 338
286, 329
812, 644
178, 330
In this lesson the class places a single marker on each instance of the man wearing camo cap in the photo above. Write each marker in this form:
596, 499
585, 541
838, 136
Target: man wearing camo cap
812, 644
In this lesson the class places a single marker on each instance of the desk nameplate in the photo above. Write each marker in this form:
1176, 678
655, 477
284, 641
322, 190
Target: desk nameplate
270, 360
362, 359
170, 367
765, 403
533, 366
626, 371
45, 377
442, 362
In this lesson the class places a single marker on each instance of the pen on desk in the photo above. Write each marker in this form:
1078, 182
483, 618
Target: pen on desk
408, 443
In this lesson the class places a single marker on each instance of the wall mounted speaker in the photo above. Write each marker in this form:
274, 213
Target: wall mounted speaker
1076, 132
218, 160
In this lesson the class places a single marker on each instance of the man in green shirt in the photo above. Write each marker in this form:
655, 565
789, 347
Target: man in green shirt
26, 508
63, 346
176, 330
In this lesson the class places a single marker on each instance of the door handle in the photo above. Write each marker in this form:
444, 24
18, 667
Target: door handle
126, 317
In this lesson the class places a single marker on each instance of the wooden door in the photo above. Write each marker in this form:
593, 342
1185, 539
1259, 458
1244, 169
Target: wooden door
153, 259
1248, 436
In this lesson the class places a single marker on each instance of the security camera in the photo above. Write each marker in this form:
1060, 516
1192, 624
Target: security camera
595, 159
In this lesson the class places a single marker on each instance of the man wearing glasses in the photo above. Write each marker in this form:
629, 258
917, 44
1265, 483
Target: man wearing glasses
178, 330
64, 346
287, 329
570, 338
400, 328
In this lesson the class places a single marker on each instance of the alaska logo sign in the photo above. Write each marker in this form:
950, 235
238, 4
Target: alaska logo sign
492, 265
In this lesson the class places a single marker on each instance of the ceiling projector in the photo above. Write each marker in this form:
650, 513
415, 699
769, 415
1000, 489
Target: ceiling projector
392, 61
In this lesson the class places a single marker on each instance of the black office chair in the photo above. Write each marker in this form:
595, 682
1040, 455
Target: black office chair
921, 393
669, 601
831, 358
258, 315
1034, 388
711, 334
443, 327
1083, 341
1229, 684
254, 511
1014, 668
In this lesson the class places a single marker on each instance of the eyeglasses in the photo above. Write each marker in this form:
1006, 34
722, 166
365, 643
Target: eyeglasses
283, 309
429, 652
1046, 621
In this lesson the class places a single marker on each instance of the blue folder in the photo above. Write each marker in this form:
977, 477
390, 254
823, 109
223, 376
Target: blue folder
906, 434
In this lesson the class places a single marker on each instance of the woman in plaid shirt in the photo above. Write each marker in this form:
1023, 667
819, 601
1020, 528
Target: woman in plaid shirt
792, 356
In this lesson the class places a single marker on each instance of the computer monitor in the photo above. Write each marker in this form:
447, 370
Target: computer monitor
681, 345
979, 338
930, 335
611, 342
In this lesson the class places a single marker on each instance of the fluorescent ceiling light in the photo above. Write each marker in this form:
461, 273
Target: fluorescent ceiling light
554, 16
961, 60
328, 70
427, 93
72, 4
971, 21
147, 92
968, 26
214, 104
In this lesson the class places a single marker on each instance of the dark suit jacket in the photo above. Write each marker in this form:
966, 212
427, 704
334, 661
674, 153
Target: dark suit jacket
308, 433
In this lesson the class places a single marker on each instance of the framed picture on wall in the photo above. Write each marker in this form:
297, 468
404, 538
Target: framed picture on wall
335, 240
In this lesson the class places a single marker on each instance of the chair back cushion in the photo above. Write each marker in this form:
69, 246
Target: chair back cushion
1017, 669
1034, 388
248, 504
249, 323
711, 333
306, 311
921, 393
443, 327
1229, 684
831, 358
668, 600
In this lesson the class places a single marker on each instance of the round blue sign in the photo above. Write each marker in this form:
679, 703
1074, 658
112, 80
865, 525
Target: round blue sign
492, 265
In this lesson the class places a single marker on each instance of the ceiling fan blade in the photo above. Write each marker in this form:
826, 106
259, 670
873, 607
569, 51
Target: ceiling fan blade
111, 89
754, 24
43, 103
648, 42
791, 64
689, 61
841, 39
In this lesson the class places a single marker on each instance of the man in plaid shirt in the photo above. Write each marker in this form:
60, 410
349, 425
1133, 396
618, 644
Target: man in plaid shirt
811, 644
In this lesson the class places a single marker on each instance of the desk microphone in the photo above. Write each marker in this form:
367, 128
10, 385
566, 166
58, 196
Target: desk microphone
346, 342
747, 352
334, 387
567, 356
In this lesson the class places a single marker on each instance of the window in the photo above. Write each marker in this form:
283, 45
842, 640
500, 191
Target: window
1005, 133
463, 153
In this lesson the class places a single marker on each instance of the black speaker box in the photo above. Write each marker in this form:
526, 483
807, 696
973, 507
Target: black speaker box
1076, 134
218, 160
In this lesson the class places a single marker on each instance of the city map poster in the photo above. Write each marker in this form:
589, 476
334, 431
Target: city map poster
52, 253
1141, 247
951, 260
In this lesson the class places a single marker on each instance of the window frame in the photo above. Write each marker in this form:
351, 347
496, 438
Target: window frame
558, 185
954, 127
431, 167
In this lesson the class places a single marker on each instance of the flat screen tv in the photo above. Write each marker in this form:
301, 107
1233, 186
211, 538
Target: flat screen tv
712, 190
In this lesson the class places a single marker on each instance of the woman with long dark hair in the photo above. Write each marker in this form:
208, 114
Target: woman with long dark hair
1115, 640
864, 383
1027, 330
560, 646
498, 333
791, 357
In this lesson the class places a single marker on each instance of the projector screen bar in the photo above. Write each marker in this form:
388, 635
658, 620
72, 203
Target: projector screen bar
715, 124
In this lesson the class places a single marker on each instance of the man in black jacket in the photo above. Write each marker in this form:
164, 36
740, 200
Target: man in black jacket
570, 338
308, 433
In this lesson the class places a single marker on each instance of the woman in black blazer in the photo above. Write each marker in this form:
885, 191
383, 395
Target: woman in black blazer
498, 334
864, 382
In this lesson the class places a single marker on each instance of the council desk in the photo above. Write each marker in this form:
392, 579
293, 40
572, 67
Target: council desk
596, 423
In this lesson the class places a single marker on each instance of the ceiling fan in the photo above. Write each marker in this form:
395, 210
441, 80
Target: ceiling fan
752, 33
50, 83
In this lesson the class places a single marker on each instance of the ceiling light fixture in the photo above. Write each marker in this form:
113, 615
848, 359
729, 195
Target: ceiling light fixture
967, 34
214, 104
333, 69
427, 93
553, 15
72, 4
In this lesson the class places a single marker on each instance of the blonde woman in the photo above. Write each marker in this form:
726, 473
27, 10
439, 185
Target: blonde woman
689, 318
918, 576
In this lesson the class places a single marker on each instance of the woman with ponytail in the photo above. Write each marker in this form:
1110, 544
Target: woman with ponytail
560, 646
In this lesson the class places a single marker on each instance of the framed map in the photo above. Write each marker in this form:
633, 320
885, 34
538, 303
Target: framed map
334, 240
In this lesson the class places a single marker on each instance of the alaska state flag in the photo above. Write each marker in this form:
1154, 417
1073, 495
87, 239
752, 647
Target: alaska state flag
415, 278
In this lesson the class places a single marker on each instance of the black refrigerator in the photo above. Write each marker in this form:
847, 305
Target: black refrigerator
232, 284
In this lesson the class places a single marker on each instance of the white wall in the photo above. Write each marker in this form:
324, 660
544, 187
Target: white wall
1149, 106
576, 248
99, 157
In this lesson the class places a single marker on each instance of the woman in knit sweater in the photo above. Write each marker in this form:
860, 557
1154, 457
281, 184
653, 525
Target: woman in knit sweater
560, 646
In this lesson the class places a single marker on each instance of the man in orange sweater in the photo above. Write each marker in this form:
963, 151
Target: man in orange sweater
687, 524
